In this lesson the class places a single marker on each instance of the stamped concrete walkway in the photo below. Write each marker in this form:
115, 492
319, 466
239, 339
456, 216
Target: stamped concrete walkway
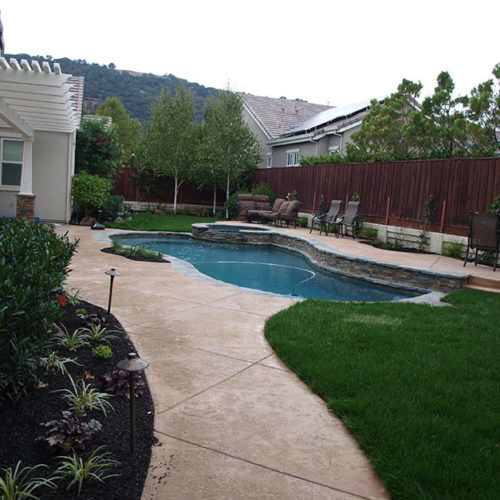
231, 420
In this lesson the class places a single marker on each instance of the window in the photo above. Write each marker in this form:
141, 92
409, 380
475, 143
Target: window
293, 158
269, 163
333, 149
12, 162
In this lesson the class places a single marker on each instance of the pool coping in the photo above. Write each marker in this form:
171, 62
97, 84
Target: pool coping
426, 295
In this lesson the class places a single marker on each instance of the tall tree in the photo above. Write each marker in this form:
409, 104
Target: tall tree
129, 130
440, 129
97, 149
169, 145
229, 149
484, 115
382, 133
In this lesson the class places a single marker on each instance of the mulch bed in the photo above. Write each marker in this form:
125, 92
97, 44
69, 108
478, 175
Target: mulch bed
20, 425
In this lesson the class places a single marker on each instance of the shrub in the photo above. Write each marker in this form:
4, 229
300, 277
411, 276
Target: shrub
34, 266
266, 189
113, 206
102, 351
69, 432
494, 208
90, 191
302, 221
232, 204
368, 233
452, 249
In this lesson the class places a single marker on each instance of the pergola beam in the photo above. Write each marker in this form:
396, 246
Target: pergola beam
15, 121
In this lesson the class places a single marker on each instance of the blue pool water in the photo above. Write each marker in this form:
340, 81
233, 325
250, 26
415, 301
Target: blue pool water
266, 268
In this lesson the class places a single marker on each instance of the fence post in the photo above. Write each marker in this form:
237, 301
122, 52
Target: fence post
443, 213
387, 208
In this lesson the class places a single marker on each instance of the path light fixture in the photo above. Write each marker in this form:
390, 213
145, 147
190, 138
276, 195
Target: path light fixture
112, 273
132, 364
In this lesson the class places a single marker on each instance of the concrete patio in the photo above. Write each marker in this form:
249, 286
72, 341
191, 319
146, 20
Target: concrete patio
231, 420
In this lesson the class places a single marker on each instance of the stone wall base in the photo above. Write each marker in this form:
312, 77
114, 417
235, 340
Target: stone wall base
25, 207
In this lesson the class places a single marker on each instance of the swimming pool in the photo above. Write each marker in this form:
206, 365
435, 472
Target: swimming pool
266, 268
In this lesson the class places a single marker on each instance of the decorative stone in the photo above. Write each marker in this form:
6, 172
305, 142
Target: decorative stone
25, 207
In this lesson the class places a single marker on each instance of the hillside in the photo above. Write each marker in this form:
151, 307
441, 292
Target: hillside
137, 91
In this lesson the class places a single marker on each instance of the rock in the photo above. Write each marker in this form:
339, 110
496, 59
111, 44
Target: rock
88, 221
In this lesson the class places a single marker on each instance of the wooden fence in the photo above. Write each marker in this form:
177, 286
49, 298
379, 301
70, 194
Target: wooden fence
396, 192
391, 192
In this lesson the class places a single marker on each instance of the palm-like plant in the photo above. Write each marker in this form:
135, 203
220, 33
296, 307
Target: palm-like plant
99, 333
96, 466
16, 484
74, 340
82, 398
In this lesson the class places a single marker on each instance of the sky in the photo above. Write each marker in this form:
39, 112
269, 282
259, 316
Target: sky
325, 51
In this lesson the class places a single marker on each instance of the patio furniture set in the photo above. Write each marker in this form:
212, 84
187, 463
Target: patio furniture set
258, 208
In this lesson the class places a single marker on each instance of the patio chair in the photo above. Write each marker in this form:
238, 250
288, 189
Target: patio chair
245, 203
483, 235
275, 208
261, 203
288, 212
349, 218
330, 218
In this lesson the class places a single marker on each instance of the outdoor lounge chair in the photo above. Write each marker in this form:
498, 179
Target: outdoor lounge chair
349, 218
483, 235
261, 203
276, 208
330, 218
245, 203
288, 212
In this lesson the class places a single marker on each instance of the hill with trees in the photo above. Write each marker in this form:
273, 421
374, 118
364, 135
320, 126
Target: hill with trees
137, 91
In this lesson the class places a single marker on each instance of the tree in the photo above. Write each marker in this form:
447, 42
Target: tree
382, 133
440, 129
97, 149
129, 130
229, 151
484, 116
170, 143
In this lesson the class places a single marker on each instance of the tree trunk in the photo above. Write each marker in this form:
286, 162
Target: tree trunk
176, 188
214, 208
227, 197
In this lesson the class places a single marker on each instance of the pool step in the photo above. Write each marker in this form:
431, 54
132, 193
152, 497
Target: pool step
481, 283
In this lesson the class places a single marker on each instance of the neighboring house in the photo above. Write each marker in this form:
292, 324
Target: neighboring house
269, 117
322, 132
40, 110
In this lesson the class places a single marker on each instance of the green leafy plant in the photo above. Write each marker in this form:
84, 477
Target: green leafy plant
83, 398
139, 251
72, 341
90, 191
102, 351
368, 233
99, 333
69, 432
34, 264
494, 208
302, 221
452, 249
17, 485
266, 189
73, 299
78, 470
423, 239
81, 310
52, 363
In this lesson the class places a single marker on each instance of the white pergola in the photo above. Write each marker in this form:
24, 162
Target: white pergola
34, 98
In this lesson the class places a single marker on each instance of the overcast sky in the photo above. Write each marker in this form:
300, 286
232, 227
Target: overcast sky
324, 51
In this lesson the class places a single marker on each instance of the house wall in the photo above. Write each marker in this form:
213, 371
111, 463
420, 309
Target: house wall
261, 136
53, 161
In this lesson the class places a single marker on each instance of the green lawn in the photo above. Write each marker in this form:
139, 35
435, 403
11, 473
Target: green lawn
418, 386
145, 221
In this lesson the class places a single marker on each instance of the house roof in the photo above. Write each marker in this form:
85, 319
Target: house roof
277, 116
329, 116
34, 97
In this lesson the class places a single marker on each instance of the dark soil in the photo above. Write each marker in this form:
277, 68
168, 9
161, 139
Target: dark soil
136, 257
385, 246
20, 425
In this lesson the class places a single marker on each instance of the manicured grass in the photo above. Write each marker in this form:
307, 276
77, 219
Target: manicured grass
145, 221
418, 386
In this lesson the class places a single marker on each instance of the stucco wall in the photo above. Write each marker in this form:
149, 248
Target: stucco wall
51, 153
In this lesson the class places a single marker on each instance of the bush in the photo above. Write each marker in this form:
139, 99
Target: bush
102, 351
34, 266
90, 191
113, 205
302, 221
266, 189
494, 208
232, 204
